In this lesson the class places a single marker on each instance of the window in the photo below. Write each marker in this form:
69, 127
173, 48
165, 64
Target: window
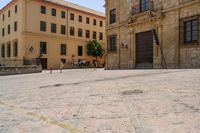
112, 16
87, 20
144, 5
112, 43
63, 49
42, 26
101, 24
3, 32
191, 31
94, 22
3, 51
80, 50
87, 34
15, 8
15, 26
15, 49
63, 14
3, 17
53, 12
53, 28
8, 13
43, 48
71, 16
43, 9
8, 50
80, 32
72, 31
94, 35
8, 29
100, 36
80, 18
63, 29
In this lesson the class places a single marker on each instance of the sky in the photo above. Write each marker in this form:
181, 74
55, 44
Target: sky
93, 4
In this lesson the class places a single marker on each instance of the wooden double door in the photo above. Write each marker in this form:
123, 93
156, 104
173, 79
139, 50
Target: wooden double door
44, 63
144, 50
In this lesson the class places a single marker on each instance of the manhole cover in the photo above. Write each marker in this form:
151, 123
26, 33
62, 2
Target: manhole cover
132, 92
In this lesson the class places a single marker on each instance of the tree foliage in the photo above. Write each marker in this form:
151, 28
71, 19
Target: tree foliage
95, 49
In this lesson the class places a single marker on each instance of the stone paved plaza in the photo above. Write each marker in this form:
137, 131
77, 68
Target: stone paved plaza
99, 101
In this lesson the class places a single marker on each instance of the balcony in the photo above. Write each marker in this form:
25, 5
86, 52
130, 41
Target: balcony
146, 6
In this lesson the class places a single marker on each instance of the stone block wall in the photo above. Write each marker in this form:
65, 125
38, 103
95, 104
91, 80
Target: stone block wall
19, 70
166, 19
190, 57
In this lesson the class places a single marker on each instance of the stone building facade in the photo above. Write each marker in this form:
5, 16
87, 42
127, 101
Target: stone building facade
153, 34
52, 30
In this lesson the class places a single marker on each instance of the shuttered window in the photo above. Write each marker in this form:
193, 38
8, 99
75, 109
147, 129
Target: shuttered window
71, 16
63, 49
8, 29
53, 12
112, 42
87, 20
80, 50
100, 36
15, 26
63, 15
94, 22
15, 8
43, 47
80, 18
112, 16
87, 34
3, 51
53, 28
15, 49
3, 32
80, 32
43, 9
191, 31
63, 29
72, 31
8, 50
42, 26
101, 24
94, 35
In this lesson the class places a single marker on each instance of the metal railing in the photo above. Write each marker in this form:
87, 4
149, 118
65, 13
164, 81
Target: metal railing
146, 6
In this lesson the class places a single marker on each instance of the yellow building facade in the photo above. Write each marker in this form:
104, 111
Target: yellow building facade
153, 34
51, 30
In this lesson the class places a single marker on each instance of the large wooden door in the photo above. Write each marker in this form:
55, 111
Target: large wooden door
144, 50
43, 63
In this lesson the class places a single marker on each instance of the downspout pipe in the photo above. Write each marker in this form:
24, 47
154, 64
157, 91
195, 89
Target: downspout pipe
178, 56
119, 36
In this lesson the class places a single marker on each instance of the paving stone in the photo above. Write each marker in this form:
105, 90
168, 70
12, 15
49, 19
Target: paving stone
87, 101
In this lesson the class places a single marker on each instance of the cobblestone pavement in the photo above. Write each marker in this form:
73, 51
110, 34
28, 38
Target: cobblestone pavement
88, 101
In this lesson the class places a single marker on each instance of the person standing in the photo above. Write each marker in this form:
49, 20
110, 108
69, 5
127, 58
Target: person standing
61, 66
51, 67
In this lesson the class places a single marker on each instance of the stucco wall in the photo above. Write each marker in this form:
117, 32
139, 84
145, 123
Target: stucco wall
30, 36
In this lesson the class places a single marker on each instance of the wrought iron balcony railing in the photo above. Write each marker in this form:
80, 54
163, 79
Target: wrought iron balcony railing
146, 6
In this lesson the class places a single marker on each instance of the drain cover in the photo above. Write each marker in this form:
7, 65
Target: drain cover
57, 85
131, 92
